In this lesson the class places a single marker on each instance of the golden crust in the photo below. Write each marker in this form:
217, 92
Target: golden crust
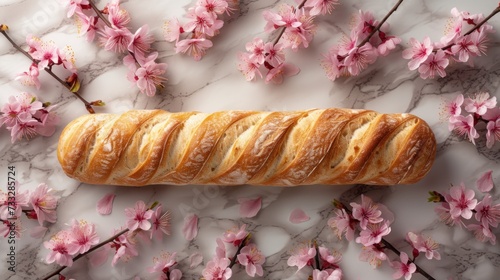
327, 146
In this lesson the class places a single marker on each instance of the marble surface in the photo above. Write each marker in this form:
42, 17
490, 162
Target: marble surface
215, 84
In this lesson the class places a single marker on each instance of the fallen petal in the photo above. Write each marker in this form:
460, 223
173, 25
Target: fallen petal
190, 227
298, 216
485, 182
250, 207
105, 204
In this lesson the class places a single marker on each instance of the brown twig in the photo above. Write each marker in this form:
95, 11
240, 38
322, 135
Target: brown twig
282, 31
476, 27
389, 246
57, 271
87, 104
242, 244
377, 28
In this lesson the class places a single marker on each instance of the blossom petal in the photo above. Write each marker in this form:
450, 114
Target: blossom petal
298, 216
485, 182
195, 259
105, 204
190, 227
38, 232
250, 207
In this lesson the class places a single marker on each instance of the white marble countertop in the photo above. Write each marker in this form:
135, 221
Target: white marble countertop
213, 84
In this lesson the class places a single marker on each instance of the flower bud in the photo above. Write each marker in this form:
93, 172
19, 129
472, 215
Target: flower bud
3, 27
73, 82
435, 197
99, 103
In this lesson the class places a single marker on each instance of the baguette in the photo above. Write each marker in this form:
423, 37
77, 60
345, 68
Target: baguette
319, 146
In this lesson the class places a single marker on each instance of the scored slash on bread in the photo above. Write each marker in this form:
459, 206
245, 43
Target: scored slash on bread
319, 146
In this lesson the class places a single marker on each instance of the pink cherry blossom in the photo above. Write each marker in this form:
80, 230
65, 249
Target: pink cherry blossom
277, 74
492, 114
342, 223
119, 18
190, 227
418, 52
105, 204
214, 6
435, 64
193, 47
47, 55
373, 254
49, 119
321, 7
463, 125
87, 25
285, 17
160, 223
124, 247
172, 30
30, 77
367, 212
454, 108
493, 133
82, 236
359, 58
298, 216
303, 34
256, 50
138, 216
252, 259
249, 207
485, 182
373, 233
329, 259
482, 233
164, 263
217, 269
388, 43
303, 255
25, 127
443, 212
58, 246
148, 76
423, 244
486, 213
274, 54
465, 47
74, 6
5, 227
44, 203
480, 103
201, 21
116, 39
403, 268
235, 235
327, 274
248, 66
195, 259
332, 66
462, 201
141, 41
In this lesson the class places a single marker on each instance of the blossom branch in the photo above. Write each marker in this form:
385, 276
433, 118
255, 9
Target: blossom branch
388, 245
48, 69
476, 27
282, 31
377, 28
57, 271
99, 14
242, 244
